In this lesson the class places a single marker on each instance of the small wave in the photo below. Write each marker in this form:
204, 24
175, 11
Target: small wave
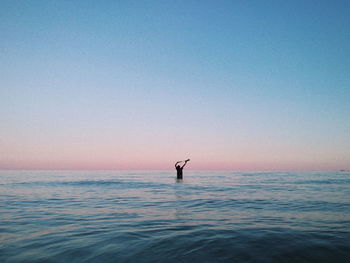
84, 183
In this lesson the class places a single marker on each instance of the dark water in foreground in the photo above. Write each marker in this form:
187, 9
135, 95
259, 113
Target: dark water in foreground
148, 216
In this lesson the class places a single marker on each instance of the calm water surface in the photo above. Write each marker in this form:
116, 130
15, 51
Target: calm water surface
148, 216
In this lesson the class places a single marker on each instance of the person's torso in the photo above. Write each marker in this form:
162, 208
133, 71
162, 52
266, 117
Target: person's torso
179, 171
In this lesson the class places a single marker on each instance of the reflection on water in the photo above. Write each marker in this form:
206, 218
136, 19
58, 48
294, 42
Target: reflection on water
129, 216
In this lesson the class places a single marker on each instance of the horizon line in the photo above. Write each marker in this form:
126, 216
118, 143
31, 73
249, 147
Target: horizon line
231, 170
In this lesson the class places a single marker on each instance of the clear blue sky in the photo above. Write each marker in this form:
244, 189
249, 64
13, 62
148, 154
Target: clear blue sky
244, 85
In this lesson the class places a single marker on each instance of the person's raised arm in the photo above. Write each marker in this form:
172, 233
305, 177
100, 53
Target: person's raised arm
184, 164
176, 164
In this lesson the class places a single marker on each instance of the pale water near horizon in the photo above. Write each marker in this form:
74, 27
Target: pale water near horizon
149, 216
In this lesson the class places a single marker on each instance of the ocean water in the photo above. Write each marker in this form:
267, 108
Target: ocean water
149, 216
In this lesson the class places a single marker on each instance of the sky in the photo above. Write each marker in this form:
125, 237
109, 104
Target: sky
232, 85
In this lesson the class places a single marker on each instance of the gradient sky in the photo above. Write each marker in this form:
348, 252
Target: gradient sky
241, 85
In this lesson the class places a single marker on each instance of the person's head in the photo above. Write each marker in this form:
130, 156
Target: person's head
178, 166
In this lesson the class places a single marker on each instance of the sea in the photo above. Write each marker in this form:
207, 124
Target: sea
150, 216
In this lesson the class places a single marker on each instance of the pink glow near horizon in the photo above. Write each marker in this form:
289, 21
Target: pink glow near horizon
140, 153
112, 161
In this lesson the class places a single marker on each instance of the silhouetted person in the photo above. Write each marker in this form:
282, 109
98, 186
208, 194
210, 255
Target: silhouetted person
179, 168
